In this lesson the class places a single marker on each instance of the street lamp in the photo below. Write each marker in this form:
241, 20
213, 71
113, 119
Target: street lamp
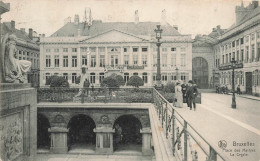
233, 105
177, 73
158, 32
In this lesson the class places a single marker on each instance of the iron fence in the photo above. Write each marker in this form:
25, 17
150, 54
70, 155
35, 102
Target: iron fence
186, 142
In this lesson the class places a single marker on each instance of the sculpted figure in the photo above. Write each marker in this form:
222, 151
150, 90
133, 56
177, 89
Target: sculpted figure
14, 69
84, 83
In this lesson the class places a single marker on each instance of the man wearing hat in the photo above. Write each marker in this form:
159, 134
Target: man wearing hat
191, 93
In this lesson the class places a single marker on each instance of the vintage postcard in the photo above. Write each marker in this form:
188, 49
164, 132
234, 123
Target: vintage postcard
144, 80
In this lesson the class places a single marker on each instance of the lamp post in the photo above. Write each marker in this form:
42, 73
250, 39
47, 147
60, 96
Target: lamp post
233, 105
158, 32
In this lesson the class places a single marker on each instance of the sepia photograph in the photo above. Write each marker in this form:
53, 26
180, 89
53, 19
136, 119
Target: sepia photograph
129, 80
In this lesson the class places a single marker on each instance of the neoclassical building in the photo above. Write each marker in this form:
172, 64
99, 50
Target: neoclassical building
125, 48
241, 42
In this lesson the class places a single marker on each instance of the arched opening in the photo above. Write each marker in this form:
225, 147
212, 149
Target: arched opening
43, 136
200, 72
127, 134
81, 137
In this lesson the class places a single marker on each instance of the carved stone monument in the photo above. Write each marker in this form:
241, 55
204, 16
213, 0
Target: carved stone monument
14, 70
18, 113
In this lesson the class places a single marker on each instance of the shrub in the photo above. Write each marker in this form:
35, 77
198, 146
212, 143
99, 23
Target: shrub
58, 81
169, 87
110, 82
77, 81
135, 81
120, 80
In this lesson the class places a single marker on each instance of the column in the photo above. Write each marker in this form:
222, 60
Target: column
131, 56
106, 56
58, 140
140, 56
121, 56
97, 58
104, 140
146, 141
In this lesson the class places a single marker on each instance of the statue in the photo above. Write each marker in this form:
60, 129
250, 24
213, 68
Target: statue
84, 83
14, 70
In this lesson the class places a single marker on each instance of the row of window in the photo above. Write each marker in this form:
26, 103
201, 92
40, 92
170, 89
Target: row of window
226, 78
240, 41
30, 56
240, 56
110, 49
92, 77
27, 53
114, 60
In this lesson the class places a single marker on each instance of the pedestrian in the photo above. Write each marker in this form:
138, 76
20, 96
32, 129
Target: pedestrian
238, 90
178, 95
226, 89
217, 89
184, 87
192, 93
86, 85
92, 87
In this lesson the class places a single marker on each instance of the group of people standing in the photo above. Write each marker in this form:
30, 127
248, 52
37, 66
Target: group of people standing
186, 93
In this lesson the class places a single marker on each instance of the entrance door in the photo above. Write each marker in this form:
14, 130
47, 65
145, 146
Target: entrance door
249, 82
200, 72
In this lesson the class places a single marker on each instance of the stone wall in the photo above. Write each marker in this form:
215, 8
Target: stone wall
17, 122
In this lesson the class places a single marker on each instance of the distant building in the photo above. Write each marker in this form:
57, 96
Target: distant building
125, 48
28, 49
242, 42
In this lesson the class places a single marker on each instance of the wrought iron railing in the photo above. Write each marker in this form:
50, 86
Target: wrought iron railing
182, 136
95, 95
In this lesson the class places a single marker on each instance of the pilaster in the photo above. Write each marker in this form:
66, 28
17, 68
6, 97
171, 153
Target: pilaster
58, 140
104, 140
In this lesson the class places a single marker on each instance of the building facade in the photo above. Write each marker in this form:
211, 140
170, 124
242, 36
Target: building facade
125, 48
241, 42
27, 49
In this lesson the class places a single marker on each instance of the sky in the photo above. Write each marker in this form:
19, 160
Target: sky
191, 16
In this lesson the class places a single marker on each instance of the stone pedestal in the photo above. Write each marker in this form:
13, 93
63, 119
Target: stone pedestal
18, 122
146, 141
104, 140
58, 140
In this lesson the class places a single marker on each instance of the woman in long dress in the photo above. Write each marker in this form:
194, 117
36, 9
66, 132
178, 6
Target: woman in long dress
178, 95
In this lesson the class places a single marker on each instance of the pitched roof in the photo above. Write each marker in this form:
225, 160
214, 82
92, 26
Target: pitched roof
6, 28
99, 27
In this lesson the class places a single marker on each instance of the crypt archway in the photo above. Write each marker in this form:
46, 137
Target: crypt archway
81, 135
43, 136
127, 134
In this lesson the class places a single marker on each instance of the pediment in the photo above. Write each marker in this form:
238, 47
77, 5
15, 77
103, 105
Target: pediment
114, 36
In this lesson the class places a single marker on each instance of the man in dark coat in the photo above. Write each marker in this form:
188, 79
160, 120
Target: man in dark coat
184, 87
192, 93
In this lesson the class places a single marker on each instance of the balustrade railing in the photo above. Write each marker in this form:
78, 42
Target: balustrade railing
95, 95
186, 142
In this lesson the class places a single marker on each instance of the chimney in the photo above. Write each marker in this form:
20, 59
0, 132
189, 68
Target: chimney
175, 27
30, 33
13, 24
163, 17
76, 19
255, 4
22, 29
136, 17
